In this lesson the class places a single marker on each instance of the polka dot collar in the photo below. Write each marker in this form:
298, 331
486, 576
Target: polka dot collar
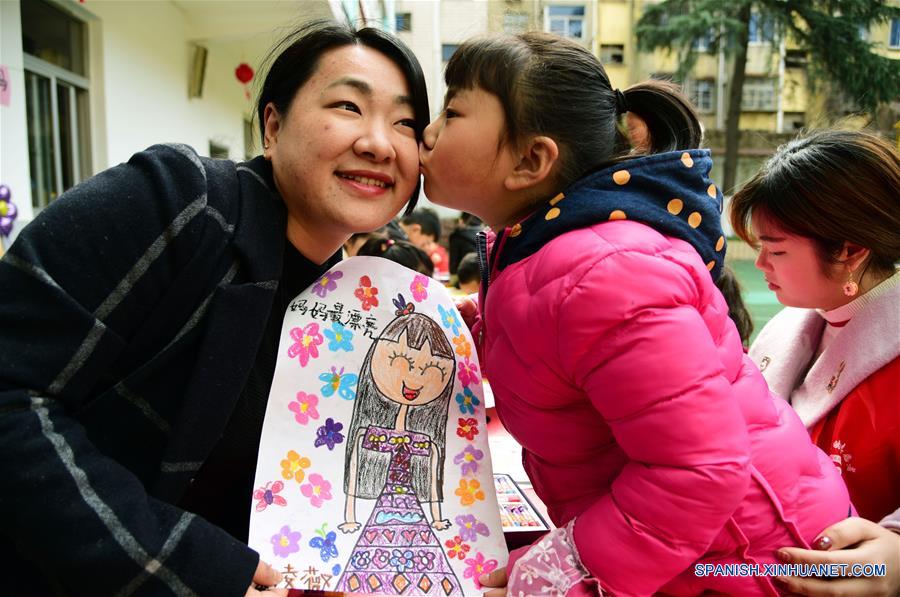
670, 192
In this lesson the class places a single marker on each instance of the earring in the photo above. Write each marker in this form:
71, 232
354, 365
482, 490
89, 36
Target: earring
851, 288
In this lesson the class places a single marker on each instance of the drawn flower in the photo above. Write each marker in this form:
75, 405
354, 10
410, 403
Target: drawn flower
268, 495
401, 561
424, 560
419, 288
470, 527
325, 543
360, 560
468, 373
306, 343
456, 548
329, 434
304, 407
467, 401
340, 382
468, 428
339, 338
285, 542
292, 467
327, 283
449, 319
381, 558
366, 293
463, 348
318, 490
477, 566
468, 458
469, 491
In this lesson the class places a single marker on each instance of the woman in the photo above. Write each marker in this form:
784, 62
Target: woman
825, 214
140, 316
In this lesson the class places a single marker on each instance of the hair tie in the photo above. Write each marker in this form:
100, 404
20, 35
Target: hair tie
403, 308
621, 103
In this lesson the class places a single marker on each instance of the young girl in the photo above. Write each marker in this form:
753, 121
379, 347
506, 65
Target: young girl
398, 432
829, 243
651, 438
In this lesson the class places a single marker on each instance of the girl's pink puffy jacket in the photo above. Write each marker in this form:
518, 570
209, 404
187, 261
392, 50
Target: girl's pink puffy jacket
615, 365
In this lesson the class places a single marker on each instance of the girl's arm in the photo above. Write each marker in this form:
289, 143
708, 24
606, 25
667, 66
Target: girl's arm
350, 525
437, 522
648, 364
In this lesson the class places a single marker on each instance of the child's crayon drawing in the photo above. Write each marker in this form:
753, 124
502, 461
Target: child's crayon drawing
374, 474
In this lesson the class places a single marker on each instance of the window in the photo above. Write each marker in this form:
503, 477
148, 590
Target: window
403, 21
702, 94
218, 150
515, 22
703, 43
56, 95
759, 95
761, 29
894, 41
795, 59
447, 51
612, 54
566, 21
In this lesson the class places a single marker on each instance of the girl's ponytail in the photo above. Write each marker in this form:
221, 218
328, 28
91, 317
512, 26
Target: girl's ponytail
671, 120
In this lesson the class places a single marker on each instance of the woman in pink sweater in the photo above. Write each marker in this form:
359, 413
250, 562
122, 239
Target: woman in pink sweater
653, 440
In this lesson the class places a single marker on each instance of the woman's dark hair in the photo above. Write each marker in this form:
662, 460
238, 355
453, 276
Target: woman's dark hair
830, 186
371, 407
551, 86
400, 251
295, 58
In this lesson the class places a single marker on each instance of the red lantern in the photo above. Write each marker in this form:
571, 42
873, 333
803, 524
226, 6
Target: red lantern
244, 74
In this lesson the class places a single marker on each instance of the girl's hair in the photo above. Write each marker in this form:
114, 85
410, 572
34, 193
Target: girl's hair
295, 58
371, 407
830, 187
730, 288
551, 86
400, 251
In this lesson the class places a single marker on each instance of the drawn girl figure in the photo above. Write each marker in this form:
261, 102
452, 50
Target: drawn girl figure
395, 454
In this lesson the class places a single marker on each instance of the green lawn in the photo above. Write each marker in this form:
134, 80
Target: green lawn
760, 301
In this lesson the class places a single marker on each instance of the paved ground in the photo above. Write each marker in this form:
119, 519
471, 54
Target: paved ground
760, 301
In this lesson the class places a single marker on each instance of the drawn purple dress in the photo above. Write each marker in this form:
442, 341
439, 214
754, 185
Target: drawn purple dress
397, 551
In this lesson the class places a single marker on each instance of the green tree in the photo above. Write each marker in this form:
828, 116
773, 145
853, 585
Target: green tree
828, 30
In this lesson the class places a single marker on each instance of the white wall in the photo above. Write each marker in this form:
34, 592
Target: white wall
13, 127
143, 79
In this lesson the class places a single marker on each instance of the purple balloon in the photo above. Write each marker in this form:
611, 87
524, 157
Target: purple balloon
6, 220
5, 193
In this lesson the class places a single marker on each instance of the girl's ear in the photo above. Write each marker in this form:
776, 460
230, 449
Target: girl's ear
536, 162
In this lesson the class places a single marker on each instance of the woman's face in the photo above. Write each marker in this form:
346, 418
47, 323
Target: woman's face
793, 269
345, 156
409, 376
462, 158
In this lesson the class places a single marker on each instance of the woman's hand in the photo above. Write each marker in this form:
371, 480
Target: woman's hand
495, 582
265, 576
348, 527
851, 541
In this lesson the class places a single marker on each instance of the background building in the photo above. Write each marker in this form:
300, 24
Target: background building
88, 83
